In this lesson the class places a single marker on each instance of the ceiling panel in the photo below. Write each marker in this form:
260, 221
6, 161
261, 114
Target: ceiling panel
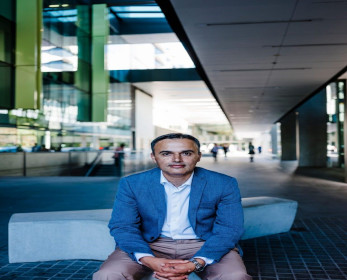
264, 58
191, 101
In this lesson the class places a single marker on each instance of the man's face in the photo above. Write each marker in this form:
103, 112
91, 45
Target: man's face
176, 157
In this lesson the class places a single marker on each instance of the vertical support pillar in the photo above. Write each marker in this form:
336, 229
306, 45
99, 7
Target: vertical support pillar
133, 118
100, 78
24, 163
83, 73
28, 78
274, 139
83, 141
345, 128
340, 113
288, 137
96, 142
313, 131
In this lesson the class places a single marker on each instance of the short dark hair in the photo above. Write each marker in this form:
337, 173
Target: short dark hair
175, 136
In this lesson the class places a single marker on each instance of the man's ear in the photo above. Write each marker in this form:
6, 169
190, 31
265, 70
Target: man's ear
153, 158
200, 154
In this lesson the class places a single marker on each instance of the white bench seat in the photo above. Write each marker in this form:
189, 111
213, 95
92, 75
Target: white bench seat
49, 236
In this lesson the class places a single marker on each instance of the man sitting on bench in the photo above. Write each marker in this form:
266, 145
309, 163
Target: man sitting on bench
176, 219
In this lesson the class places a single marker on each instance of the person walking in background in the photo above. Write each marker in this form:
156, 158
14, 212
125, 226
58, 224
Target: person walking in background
175, 219
36, 148
259, 149
225, 149
119, 155
214, 151
251, 151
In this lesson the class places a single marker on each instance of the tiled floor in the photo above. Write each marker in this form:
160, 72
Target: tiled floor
315, 248
76, 269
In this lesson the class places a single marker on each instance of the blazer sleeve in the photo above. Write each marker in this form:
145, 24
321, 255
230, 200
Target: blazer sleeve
228, 225
125, 223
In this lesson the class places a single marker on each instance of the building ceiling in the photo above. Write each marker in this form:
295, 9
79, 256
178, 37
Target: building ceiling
177, 101
264, 58
190, 101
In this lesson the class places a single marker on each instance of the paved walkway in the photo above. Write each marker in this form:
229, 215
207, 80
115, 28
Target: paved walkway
315, 248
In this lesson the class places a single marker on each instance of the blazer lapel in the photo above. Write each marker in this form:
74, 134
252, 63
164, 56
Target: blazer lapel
157, 194
197, 188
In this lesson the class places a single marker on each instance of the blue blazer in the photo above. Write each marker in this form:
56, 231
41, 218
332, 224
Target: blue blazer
215, 212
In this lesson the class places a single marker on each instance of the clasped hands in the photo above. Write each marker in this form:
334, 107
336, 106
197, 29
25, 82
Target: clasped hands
169, 269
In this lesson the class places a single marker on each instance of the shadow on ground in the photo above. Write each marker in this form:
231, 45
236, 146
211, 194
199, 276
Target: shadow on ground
332, 174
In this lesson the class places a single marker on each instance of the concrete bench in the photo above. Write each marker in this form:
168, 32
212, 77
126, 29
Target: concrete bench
266, 215
47, 236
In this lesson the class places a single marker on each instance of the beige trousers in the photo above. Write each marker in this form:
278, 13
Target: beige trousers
119, 266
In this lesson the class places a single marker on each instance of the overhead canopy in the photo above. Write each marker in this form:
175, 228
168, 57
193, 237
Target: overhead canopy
261, 59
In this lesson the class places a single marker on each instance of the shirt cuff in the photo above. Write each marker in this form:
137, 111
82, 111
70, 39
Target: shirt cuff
207, 261
138, 256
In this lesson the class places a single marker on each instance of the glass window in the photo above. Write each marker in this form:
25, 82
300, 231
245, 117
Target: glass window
6, 63
7, 9
124, 56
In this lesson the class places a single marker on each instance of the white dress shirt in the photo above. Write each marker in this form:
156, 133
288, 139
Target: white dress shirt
176, 224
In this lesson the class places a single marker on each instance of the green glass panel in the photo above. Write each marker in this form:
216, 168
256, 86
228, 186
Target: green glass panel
99, 107
28, 43
99, 73
6, 41
83, 104
83, 74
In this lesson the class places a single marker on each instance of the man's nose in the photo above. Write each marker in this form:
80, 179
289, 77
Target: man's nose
177, 157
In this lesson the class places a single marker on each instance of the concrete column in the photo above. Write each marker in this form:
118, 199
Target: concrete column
83, 141
96, 142
312, 118
47, 139
345, 126
273, 134
288, 137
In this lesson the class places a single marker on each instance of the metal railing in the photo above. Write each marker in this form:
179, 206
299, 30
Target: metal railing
72, 163
45, 163
122, 162
94, 164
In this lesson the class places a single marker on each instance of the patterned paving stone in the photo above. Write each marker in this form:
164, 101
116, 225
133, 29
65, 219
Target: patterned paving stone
314, 249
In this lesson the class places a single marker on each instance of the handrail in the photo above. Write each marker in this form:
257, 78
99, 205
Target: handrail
94, 163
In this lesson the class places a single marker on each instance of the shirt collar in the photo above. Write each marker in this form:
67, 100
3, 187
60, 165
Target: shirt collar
164, 181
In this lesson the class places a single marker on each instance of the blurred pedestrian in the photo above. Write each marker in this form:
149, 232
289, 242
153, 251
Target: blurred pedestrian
214, 151
43, 148
35, 148
119, 155
19, 148
259, 149
251, 151
225, 149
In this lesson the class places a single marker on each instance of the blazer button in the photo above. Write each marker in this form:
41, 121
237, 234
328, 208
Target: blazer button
152, 238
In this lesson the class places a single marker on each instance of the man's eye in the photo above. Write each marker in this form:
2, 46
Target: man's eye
187, 153
165, 154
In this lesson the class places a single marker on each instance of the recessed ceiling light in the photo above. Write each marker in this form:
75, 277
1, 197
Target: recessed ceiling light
262, 22
255, 87
264, 69
305, 45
